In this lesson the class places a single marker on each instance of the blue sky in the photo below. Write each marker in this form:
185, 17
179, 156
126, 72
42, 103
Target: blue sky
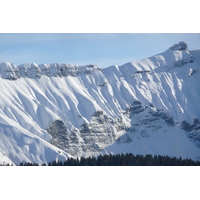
103, 49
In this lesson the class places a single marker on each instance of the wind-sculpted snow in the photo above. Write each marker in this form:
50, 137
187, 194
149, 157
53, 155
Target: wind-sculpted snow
91, 105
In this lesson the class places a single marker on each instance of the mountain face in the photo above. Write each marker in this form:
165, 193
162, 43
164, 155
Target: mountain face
54, 111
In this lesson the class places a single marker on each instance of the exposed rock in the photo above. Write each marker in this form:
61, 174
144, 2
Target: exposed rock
143, 119
192, 130
190, 127
135, 108
180, 46
104, 84
181, 63
9, 71
165, 116
126, 138
186, 126
142, 72
51, 69
58, 131
30, 70
98, 114
91, 137
191, 72
62, 69
139, 72
88, 69
64, 139
44, 69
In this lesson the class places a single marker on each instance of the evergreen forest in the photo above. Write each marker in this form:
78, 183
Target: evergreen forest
121, 160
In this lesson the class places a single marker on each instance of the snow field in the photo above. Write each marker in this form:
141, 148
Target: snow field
169, 81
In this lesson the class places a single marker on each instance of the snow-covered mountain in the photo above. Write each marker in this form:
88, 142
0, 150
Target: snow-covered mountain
53, 111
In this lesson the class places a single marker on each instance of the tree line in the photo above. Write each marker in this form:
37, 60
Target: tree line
121, 160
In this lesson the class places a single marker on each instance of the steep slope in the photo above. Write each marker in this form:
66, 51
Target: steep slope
153, 131
18, 145
86, 110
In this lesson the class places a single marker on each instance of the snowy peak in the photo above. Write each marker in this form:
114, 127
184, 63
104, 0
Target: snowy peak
176, 56
180, 46
86, 110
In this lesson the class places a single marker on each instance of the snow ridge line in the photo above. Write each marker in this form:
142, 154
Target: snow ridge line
32, 70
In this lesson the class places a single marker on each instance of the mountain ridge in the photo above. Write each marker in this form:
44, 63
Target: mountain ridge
104, 110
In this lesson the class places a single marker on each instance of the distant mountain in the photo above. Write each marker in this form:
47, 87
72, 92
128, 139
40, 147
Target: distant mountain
55, 111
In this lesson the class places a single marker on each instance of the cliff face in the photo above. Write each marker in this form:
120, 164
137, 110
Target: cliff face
146, 106
32, 70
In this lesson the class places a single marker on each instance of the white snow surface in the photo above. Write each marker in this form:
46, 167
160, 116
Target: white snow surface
156, 139
32, 96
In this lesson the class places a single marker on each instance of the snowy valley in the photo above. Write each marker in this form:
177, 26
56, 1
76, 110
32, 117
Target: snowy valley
55, 111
